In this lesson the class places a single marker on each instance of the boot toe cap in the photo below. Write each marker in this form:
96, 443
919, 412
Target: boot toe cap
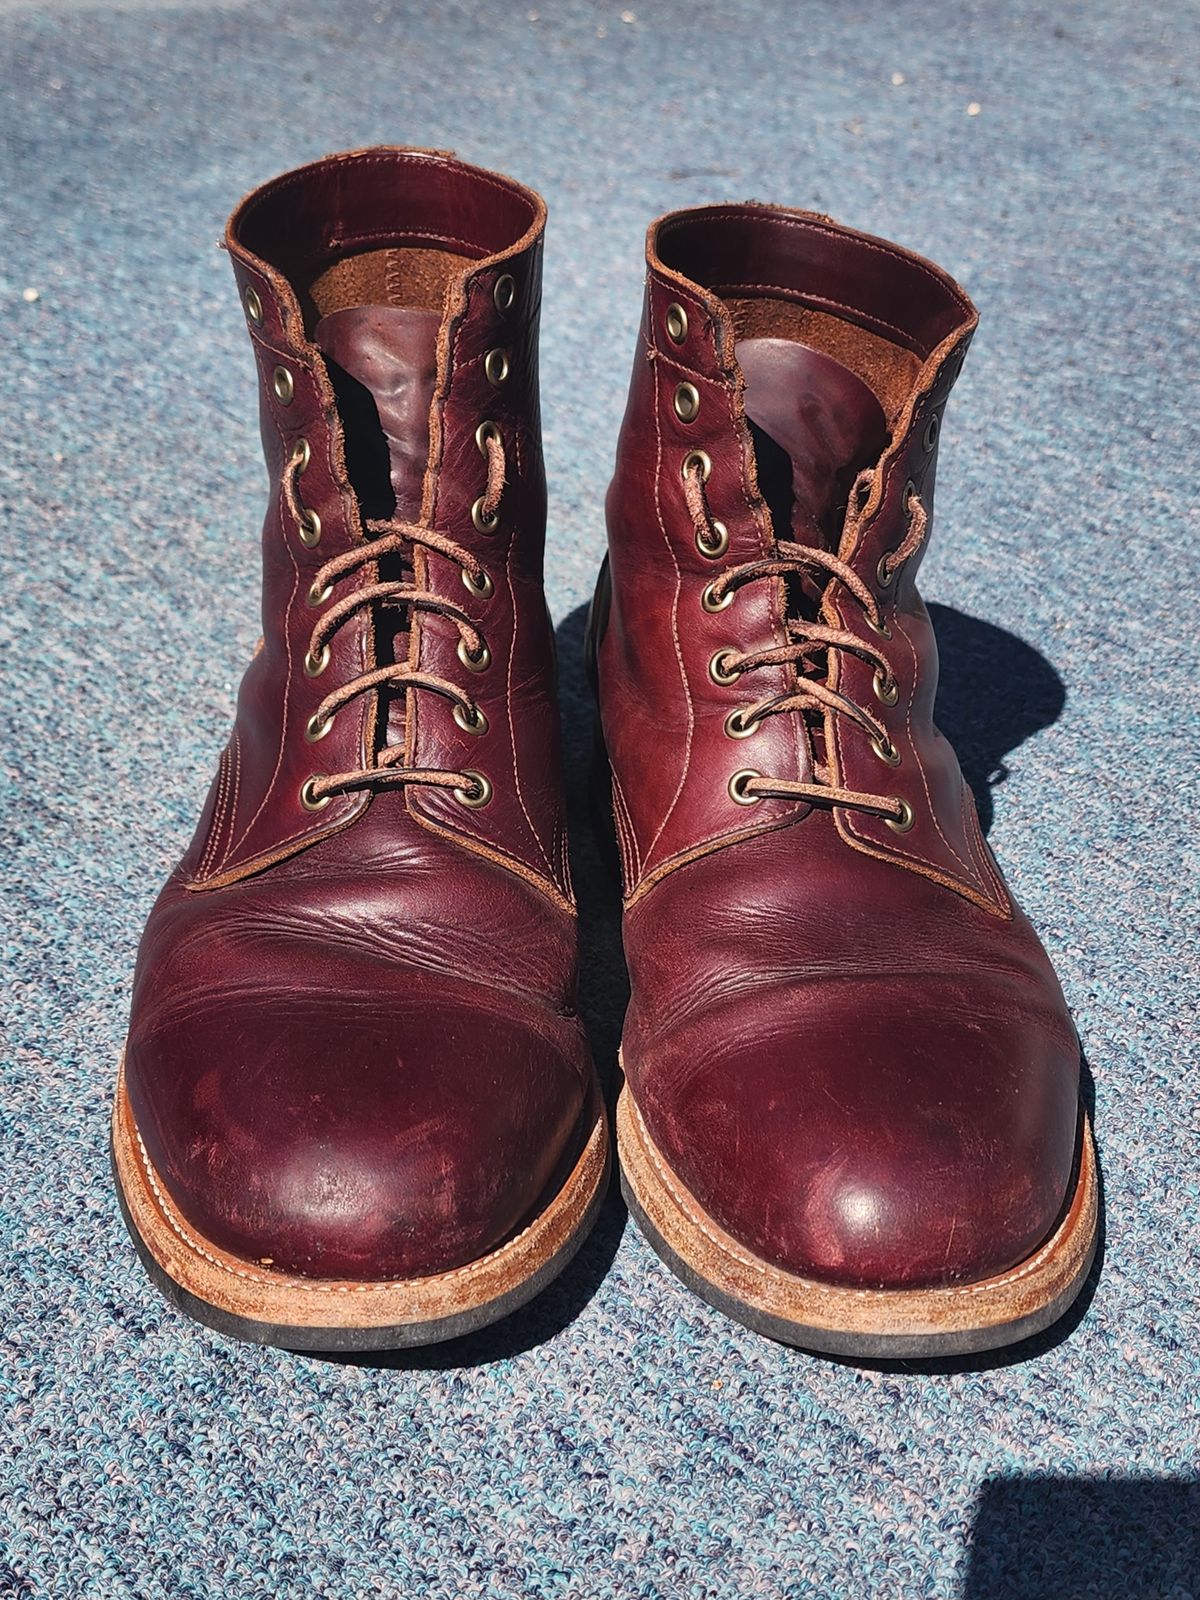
926, 1151
375, 1138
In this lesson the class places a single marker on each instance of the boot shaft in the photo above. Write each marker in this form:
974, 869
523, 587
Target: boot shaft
796, 373
392, 299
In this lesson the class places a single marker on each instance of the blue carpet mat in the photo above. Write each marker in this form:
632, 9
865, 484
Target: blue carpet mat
618, 1439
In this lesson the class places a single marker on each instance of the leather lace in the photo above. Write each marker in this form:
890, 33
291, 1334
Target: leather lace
395, 537
806, 640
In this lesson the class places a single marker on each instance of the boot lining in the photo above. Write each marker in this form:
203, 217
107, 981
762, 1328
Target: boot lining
886, 368
415, 278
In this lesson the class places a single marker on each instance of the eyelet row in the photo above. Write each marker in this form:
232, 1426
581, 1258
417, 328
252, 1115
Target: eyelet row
497, 369
885, 686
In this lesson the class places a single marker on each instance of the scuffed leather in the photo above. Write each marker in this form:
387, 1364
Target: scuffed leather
846, 1041
364, 1063
353, 1048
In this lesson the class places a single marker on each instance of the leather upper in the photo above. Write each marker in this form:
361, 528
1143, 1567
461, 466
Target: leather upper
353, 1048
843, 1035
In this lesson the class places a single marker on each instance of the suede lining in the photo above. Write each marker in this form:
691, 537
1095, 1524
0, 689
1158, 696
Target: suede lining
415, 278
889, 370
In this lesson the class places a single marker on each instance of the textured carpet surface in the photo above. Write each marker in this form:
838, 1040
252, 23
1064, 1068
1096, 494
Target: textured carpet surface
618, 1438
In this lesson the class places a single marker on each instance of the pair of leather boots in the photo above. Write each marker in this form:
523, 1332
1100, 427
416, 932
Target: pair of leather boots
357, 1107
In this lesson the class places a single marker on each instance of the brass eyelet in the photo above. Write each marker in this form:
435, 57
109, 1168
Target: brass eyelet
475, 723
317, 727
686, 402
880, 627
254, 307
309, 527
485, 521
318, 597
484, 432
696, 458
676, 322
495, 367
479, 663
477, 795
710, 603
904, 821
314, 666
311, 801
885, 575
887, 690
505, 292
283, 385
483, 590
886, 751
929, 437
721, 674
736, 726
737, 787
300, 457
713, 550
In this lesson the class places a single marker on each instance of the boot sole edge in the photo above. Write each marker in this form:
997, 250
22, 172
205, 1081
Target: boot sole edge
865, 1324
244, 1301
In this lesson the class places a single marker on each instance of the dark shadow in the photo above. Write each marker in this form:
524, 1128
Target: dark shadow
1042, 1538
604, 984
994, 692
603, 993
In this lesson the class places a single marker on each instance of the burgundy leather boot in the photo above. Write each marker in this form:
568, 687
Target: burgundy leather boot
357, 1108
851, 1115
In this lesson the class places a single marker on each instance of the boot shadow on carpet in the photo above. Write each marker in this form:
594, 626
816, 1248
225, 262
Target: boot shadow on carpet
1044, 1538
994, 692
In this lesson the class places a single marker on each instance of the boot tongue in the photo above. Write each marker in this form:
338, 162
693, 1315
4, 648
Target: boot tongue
816, 426
383, 365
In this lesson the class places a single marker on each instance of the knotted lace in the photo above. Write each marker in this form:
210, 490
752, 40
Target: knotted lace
807, 641
396, 537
